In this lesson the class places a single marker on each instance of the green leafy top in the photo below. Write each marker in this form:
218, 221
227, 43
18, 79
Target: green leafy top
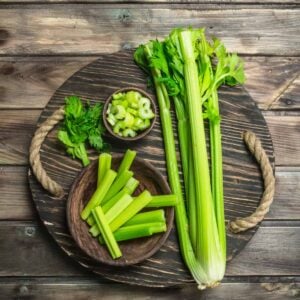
82, 124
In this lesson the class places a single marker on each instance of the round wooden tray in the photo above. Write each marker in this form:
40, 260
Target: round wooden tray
242, 178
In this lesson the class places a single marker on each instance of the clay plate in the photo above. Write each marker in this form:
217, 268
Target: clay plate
134, 251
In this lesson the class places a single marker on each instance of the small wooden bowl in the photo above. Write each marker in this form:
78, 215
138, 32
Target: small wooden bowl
142, 133
134, 251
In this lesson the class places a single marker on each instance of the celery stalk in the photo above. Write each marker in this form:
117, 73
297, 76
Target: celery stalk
129, 188
152, 216
127, 161
120, 181
99, 194
104, 164
117, 209
137, 231
134, 207
208, 248
163, 200
106, 232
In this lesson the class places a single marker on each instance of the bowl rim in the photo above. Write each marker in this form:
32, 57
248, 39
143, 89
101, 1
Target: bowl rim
116, 263
142, 133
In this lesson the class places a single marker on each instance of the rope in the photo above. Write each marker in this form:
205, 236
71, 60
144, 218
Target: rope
34, 153
255, 147
241, 224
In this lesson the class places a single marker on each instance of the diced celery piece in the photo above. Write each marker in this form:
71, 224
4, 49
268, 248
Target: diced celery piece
132, 111
129, 133
144, 103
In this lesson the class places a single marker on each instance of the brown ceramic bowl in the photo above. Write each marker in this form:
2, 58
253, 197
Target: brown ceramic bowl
141, 134
134, 251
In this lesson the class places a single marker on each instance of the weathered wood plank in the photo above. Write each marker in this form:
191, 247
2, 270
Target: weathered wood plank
169, 2
16, 202
285, 132
30, 82
255, 259
62, 289
17, 127
16, 130
40, 30
273, 82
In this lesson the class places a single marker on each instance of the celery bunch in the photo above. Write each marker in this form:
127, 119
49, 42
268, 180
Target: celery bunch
189, 69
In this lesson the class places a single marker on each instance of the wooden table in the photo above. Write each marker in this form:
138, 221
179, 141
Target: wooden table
43, 42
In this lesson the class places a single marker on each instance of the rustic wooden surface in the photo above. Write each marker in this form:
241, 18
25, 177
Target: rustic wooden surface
242, 177
42, 44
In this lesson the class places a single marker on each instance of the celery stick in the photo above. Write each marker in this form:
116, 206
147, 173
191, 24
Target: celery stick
90, 220
106, 232
104, 164
112, 201
129, 188
163, 200
99, 194
119, 183
113, 212
137, 231
153, 216
127, 161
134, 207
117, 209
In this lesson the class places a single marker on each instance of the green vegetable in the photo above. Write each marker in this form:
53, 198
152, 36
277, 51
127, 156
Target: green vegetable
118, 184
153, 216
189, 69
137, 231
127, 113
82, 126
104, 164
163, 200
113, 212
129, 188
127, 161
106, 233
134, 207
99, 194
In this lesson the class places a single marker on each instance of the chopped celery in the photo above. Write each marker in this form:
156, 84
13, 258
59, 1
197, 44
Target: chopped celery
144, 103
146, 113
99, 194
106, 233
104, 164
118, 184
152, 216
134, 207
127, 161
163, 200
129, 133
118, 207
137, 231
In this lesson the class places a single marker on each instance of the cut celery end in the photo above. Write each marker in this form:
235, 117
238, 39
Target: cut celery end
152, 216
99, 194
106, 233
163, 200
137, 231
104, 164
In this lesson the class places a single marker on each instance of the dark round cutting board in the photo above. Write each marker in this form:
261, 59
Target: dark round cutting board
242, 178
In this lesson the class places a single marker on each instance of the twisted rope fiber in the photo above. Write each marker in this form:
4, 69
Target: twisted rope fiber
254, 145
34, 153
241, 224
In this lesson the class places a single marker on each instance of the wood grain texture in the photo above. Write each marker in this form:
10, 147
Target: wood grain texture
16, 130
105, 28
62, 289
16, 202
29, 82
255, 259
287, 148
242, 180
